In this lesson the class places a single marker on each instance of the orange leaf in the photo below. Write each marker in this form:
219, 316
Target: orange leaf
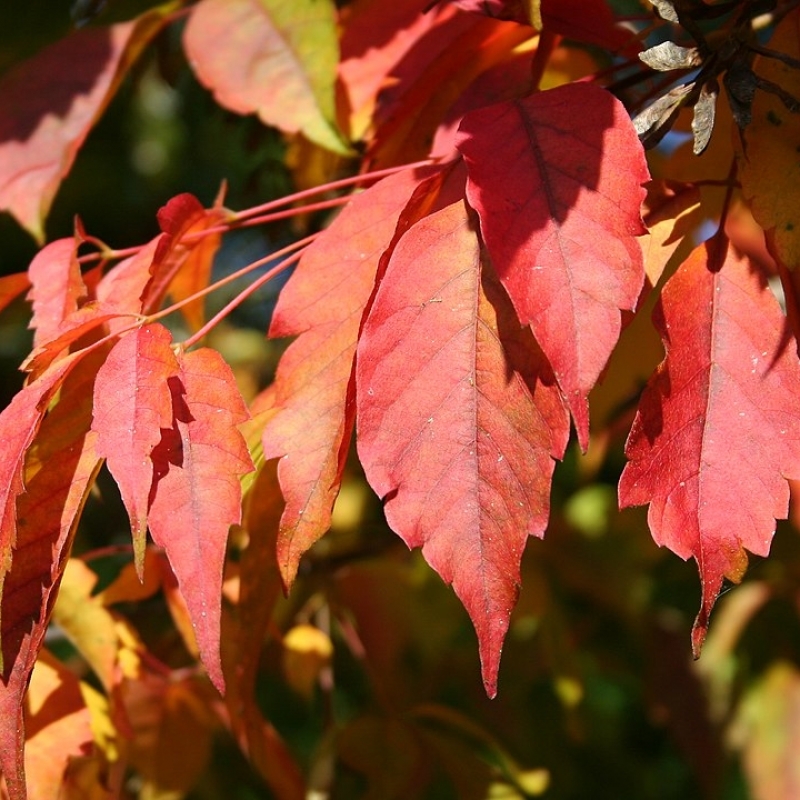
459, 419
50, 104
768, 165
182, 263
59, 471
11, 287
196, 494
58, 727
323, 302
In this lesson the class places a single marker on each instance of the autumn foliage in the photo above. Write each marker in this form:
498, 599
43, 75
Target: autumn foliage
492, 199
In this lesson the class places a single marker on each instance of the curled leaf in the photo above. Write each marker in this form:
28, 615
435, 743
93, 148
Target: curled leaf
655, 121
704, 113
668, 55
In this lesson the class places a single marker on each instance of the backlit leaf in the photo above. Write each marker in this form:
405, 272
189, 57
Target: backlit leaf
717, 433
766, 731
324, 302
459, 420
434, 76
56, 289
183, 259
50, 104
57, 725
769, 167
132, 404
59, 470
270, 57
196, 494
558, 196
376, 37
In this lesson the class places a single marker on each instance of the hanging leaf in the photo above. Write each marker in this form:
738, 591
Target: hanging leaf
196, 494
56, 287
323, 304
717, 433
132, 404
58, 472
459, 420
558, 196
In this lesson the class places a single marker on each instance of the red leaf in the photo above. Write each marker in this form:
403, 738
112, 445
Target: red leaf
717, 433
375, 38
59, 470
183, 262
324, 302
433, 76
50, 104
589, 21
196, 494
459, 420
123, 288
132, 403
558, 194
272, 58
19, 424
57, 287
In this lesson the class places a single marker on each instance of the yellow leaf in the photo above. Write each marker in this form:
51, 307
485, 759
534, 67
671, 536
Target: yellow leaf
307, 651
769, 161
767, 730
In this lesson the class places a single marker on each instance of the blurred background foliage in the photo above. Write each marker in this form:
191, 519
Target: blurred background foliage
370, 673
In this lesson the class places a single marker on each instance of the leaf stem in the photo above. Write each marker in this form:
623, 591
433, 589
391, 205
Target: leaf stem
343, 183
299, 245
241, 297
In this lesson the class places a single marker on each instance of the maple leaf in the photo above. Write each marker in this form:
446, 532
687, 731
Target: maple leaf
196, 494
459, 419
58, 726
49, 110
132, 404
717, 432
558, 195
323, 304
272, 58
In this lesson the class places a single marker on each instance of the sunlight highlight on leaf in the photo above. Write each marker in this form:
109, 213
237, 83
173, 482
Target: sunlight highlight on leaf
558, 195
459, 420
717, 423
272, 58
196, 494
